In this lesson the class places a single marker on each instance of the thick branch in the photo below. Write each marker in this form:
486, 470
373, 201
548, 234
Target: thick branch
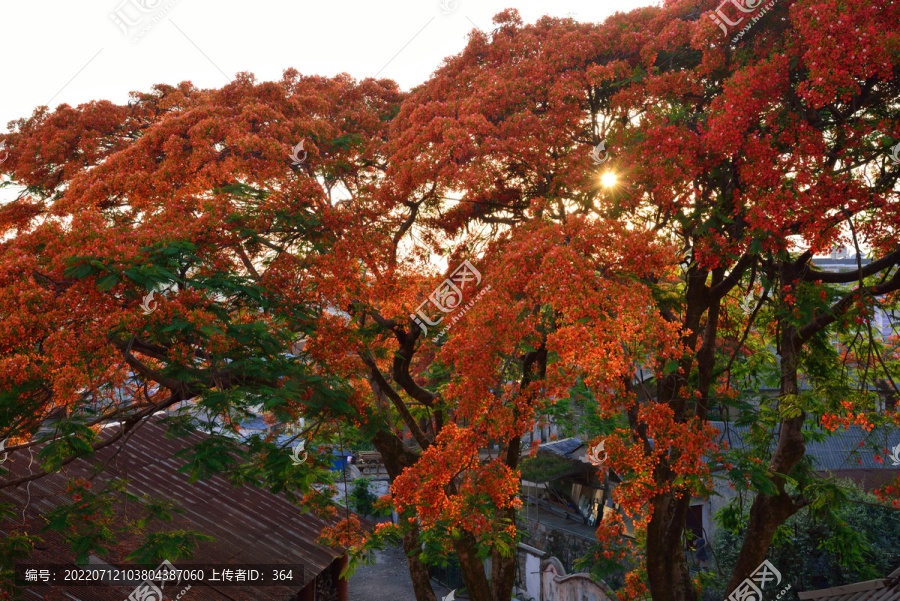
805, 333
127, 425
402, 361
885, 262
390, 393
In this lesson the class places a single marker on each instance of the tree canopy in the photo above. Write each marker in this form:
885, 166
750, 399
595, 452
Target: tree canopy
477, 198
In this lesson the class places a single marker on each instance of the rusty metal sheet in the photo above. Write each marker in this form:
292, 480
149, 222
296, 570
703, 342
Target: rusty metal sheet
250, 526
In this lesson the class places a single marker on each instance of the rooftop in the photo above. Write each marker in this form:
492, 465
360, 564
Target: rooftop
840, 453
564, 447
249, 525
881, 589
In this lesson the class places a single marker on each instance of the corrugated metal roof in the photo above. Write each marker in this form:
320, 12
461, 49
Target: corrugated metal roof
250, 526
882, 589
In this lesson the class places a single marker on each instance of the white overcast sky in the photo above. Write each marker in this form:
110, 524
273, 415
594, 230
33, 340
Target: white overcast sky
72, 51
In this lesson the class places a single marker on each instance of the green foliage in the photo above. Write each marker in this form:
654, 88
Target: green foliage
578, 415
75, 439
14, 546
544, 467
87, 524
389, 535
156, 509
170, 545
159, 268
608, 569
90, 524
845, 536
361, 499
210, 457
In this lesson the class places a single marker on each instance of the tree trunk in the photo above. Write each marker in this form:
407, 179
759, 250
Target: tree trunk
503, 570
396, 457
766, 514
769, 512
421, 579
667, 569
472, 567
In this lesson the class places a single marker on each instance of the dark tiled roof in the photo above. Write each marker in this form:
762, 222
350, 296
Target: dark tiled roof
838, 452
564, 447
250, 526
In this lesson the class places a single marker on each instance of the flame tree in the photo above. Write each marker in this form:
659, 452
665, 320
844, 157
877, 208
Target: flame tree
736, 163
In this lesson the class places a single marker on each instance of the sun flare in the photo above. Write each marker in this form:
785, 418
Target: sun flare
609, 179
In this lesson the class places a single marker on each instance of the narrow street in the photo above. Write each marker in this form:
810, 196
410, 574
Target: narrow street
387, 580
